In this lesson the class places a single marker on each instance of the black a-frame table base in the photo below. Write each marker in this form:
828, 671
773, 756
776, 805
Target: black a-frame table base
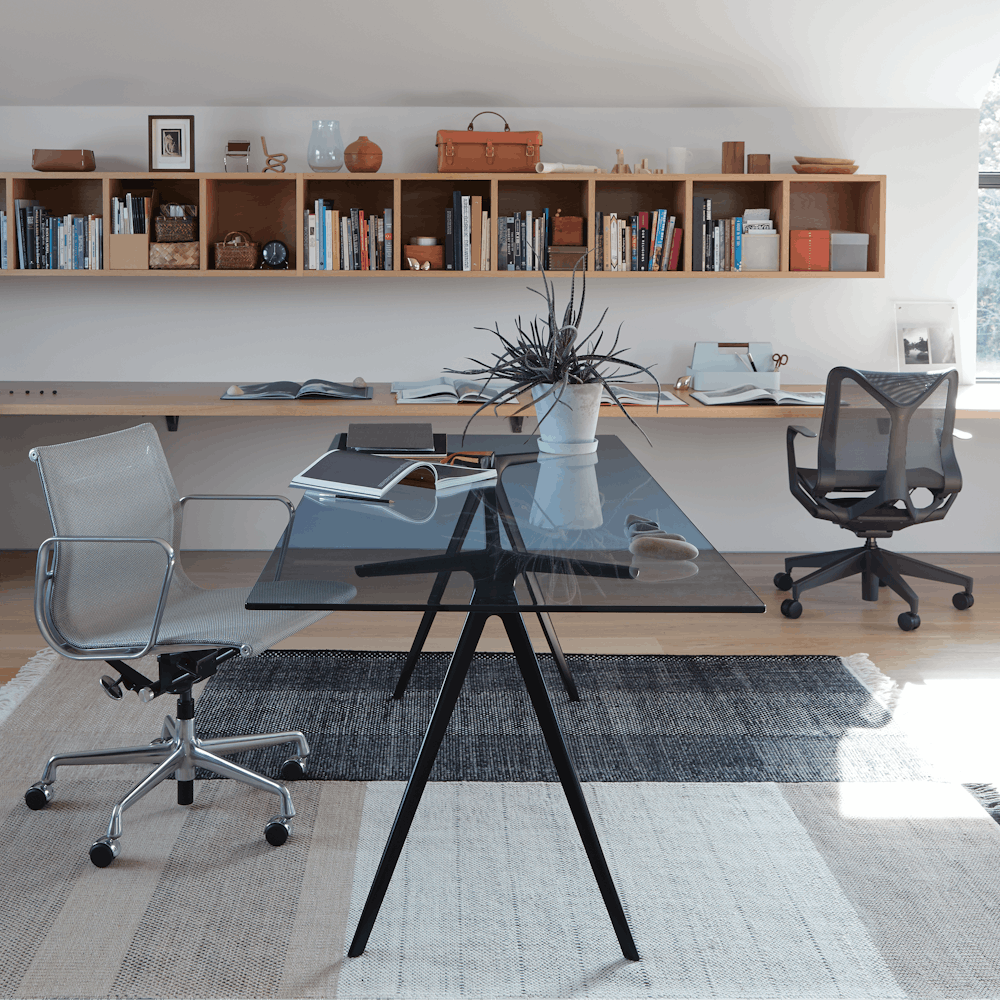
494, 570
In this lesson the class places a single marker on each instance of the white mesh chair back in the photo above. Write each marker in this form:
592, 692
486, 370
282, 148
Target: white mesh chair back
114, 485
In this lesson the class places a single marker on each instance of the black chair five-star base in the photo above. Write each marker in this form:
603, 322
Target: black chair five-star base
883, 436
494, 571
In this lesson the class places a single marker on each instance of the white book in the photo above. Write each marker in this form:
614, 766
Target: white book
346, 256
447, 390
312, 241
328, 238
529, 241
466, 232
753, 394
615, 250
484, 243
640, 397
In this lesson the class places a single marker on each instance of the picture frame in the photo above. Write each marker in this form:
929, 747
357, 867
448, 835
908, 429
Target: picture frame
926, 336
171, 143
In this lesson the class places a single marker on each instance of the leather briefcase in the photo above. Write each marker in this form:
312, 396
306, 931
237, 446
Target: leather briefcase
471, 152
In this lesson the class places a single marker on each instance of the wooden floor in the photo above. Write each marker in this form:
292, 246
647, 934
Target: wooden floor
948, 644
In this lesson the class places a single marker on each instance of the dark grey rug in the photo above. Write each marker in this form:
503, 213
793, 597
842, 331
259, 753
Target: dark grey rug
641, 718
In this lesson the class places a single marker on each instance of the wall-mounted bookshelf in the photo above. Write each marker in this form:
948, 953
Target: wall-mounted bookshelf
271, 206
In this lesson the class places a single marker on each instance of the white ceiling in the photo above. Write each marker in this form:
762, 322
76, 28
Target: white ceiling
450, 53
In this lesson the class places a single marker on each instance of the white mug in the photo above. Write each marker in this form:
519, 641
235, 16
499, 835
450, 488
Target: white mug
678, 158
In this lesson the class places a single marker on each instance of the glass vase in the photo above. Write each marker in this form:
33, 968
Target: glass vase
326, 148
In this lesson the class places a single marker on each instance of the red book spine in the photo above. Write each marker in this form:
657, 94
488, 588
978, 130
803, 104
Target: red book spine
675, 249
363, 233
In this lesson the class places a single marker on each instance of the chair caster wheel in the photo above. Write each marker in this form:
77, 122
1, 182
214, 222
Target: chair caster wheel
293, 769
791, 609
908, 621
38, 796
277, 831
963, 601
104, 852
783, 581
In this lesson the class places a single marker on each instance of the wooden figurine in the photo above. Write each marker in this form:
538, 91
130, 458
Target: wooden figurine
275, 161
621, 167
758, 163
643, 167
732, 158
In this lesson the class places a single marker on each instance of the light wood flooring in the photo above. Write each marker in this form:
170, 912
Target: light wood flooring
949, 643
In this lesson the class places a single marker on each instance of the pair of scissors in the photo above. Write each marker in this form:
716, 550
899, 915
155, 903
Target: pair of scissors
779, 360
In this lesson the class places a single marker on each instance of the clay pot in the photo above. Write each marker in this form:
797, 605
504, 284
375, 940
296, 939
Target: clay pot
363, 156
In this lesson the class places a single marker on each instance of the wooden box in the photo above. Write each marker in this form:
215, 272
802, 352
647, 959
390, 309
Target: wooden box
566, 258
567, 231
128, 252
434, 254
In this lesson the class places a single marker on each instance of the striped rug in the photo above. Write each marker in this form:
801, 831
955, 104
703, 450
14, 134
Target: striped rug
881, 885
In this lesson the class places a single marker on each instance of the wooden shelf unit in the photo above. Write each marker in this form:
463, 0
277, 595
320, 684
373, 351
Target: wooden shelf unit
270, 206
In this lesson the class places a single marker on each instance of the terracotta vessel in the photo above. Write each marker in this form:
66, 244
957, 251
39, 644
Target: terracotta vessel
363, 156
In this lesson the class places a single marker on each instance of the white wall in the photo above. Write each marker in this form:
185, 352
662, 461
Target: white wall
217, 329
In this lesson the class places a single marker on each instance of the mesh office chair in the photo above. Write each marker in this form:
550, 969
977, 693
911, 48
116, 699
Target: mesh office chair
883, 436
109, 586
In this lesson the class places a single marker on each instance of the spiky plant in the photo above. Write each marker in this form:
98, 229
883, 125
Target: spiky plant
552, 353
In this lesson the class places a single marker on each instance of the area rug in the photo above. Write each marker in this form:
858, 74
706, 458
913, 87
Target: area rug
810, 887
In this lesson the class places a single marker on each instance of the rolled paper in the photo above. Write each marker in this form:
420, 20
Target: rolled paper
565, 168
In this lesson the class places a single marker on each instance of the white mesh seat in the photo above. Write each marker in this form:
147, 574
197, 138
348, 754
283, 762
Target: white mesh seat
109, 586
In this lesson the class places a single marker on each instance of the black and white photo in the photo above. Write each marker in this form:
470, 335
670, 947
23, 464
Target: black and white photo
171, 143
916, 346
926, 336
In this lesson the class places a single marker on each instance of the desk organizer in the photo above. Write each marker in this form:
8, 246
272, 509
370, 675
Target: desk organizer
711, 368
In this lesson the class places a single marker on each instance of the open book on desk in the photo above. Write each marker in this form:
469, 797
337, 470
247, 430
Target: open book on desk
447, 390
751, 394
639, 397
316, 388
362, 474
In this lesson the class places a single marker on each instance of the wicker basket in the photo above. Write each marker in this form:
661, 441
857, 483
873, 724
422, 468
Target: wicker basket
174, 256
170, 229
237, 253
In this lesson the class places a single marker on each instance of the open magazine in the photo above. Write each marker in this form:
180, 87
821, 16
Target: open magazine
316, 388
639, 397
752, 394
447, 390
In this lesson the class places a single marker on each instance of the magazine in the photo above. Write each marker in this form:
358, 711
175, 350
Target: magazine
752, 394
448, 390
316, 388
638, 397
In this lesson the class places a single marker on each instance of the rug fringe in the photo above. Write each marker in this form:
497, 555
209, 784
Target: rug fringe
880, 686
25, 680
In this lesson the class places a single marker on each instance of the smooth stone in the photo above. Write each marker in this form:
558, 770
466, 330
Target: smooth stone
659, 547
647, 570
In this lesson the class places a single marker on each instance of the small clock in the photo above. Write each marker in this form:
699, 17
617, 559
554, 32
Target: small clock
274, 256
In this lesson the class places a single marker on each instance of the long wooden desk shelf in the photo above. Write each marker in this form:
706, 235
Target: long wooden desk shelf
201, 399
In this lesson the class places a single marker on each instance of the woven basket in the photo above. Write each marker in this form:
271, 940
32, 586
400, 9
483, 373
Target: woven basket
175, 230
237, 253
174, 256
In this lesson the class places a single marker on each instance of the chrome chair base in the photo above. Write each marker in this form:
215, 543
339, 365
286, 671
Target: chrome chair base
177, 751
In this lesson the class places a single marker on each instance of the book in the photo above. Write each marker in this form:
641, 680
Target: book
365, 474
449, 239
466, 232
476, 236
316, 388
387, 216
447, 390
675, 250
698, 234
383, 437
752, 394
640, 397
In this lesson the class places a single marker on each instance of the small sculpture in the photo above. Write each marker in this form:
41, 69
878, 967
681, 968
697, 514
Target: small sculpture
643, 167
621, 167
415, 265
239, 152
363, 156
275, 161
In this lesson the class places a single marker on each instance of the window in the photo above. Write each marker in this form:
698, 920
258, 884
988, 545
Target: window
988, 283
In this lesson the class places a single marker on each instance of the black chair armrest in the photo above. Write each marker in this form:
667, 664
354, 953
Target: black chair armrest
799, 488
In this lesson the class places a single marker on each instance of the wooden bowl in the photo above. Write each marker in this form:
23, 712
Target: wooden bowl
819, 168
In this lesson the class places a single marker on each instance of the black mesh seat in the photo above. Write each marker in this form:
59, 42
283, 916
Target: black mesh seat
884, 437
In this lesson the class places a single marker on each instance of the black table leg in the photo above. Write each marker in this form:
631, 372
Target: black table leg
542, 704
453, 681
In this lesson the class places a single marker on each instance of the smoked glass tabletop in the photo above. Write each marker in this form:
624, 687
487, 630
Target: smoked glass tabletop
548, 535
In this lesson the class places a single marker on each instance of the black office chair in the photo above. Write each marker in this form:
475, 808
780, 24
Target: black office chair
883, 436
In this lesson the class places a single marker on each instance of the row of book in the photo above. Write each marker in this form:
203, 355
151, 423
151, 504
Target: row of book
348, 241
467, 234
744, 242
49, 242
522, 243
646, 241
130, 215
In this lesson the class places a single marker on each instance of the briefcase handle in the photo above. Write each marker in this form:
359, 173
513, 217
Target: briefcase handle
506, 127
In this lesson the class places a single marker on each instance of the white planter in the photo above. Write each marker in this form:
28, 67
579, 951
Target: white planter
566, 493
568, 425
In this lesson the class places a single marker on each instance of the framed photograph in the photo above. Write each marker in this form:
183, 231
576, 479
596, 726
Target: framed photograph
926, 336
171, 143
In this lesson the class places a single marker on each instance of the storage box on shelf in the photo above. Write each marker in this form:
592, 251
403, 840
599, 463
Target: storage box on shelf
271, 206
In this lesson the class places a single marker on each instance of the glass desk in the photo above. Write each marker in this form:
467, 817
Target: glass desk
548, 535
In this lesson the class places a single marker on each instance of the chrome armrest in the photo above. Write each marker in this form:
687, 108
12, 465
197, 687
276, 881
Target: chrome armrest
45, 571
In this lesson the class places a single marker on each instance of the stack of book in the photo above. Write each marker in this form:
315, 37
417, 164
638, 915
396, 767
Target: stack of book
523, 243
353, 240
47, 242
467, 234
722, 244
130, 215
646, 241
